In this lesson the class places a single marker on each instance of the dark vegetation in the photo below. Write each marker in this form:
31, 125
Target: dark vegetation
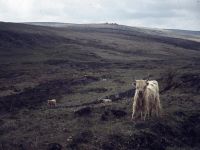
80, 64
41, 93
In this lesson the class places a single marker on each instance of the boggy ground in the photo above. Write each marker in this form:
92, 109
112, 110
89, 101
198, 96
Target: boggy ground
78, 66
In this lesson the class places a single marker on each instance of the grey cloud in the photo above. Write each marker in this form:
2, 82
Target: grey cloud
183, 14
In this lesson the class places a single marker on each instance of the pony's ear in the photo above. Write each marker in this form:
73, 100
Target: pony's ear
134, 84
147, 82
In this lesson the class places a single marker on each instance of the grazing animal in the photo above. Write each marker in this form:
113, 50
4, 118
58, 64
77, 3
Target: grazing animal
51, 103
146, 99
106, 100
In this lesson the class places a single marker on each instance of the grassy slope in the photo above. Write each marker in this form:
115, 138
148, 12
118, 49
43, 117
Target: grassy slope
79, 64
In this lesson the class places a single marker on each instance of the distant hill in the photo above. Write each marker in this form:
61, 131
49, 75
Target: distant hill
195, 35
96, 41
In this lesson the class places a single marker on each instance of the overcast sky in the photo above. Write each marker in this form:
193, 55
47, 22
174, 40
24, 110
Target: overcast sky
181, 14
